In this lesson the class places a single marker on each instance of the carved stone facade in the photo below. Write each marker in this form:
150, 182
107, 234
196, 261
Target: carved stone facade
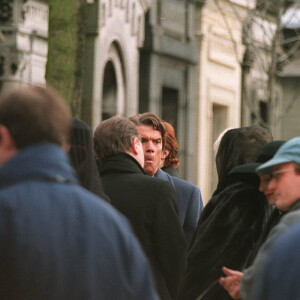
220, 81
112, 48
168, 74
257, 106
180, 59
290, 75
23, 46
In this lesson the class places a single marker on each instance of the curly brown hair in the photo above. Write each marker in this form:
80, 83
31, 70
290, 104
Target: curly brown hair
171, 145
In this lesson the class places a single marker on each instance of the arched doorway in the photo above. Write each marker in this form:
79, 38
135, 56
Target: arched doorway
109, 105
113, 91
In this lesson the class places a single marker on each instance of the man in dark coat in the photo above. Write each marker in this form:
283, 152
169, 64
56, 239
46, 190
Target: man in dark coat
188, 196
149, 203
57, 240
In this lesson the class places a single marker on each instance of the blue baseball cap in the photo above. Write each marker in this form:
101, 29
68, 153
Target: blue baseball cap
288, 152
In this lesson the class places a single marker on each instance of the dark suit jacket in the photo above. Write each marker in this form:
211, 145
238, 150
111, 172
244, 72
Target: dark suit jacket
149, 204
189, 202
171, 171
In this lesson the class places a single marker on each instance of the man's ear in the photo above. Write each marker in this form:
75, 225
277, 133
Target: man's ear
134, 146
7, 145
165, 154
6, 140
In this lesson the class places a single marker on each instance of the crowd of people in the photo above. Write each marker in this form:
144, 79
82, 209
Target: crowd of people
105, 214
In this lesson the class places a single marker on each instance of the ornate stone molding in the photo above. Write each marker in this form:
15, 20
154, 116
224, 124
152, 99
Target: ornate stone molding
23, 49
36, 16
11, 61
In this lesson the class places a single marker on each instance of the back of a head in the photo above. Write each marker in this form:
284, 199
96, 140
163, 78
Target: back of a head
239, 146
81, 133
171, 145
83, 158
35, 115
269, 150
150, 119
114, 136
82, 152
217, 142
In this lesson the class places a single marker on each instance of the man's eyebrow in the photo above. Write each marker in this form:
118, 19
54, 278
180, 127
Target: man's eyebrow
151, 139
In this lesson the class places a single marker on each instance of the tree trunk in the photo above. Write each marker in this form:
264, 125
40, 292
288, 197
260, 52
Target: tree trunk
65, 46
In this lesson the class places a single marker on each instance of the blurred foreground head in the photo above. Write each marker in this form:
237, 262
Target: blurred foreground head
34, 115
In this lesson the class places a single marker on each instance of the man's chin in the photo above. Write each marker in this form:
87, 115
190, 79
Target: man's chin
149, 171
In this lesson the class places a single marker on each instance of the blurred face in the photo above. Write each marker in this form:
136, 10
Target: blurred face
152, 145
264, 188
285, 185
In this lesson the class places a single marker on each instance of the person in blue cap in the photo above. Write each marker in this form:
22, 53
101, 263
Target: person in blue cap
247, 171
284, 169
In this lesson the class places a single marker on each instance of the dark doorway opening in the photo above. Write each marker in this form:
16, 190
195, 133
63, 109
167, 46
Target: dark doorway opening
109, 99
170, 106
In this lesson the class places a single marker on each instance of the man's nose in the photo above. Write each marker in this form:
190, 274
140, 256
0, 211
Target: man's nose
272, 184
149, 147
149, 150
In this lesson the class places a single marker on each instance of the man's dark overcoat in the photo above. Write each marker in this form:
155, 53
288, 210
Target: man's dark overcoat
149, 203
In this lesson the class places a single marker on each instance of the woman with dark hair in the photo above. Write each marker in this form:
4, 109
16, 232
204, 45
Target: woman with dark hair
232, 221
169, 160
238, 146
83, 158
